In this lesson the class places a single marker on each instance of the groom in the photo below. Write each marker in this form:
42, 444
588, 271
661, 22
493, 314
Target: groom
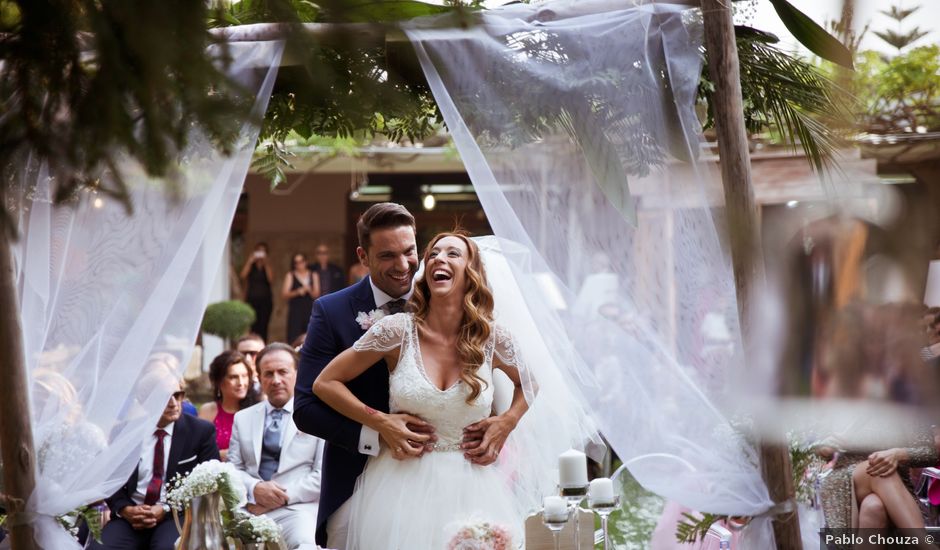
387, 247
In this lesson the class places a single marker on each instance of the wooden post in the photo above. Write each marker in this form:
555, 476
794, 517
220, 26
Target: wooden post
742, 216
16, 433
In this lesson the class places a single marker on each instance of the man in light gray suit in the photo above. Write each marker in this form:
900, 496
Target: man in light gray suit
279, 465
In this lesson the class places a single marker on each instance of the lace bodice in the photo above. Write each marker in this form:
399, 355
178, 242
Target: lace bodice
411, 391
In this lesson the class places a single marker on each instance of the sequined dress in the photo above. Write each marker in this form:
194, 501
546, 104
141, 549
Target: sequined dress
417, 503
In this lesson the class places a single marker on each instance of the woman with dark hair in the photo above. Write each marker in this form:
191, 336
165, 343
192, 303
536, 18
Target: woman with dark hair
441, 360
233, 389
257, 276
301, 287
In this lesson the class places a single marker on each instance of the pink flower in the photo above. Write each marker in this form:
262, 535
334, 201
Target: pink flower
481, 536
366, 320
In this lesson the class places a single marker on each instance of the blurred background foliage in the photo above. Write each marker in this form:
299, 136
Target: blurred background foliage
89, 82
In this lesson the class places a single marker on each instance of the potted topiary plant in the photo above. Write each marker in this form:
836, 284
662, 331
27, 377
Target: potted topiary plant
228, 320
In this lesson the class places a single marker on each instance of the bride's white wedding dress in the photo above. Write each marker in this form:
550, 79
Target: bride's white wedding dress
414, 504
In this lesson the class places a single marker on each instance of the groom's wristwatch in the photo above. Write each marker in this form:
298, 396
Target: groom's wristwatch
166, 509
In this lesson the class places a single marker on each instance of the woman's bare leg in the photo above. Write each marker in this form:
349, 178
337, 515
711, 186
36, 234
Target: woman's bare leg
899, 504
872, 513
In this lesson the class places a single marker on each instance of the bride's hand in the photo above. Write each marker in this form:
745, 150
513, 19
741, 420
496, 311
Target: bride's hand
483, 440
403, 441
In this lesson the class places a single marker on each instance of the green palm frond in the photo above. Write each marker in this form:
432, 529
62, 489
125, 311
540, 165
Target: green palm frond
693, 528
788, 95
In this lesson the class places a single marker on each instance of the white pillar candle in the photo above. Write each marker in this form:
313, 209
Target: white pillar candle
554, 507
932, 292
601, 490
572, 469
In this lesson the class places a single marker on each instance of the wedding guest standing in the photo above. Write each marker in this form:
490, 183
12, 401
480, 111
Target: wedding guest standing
257, 277
279, 465
331, 275
233, 390
140, 518
301, 287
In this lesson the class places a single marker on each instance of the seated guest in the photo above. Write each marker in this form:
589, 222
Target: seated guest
232, 385
140, 519
249, 345
280, 466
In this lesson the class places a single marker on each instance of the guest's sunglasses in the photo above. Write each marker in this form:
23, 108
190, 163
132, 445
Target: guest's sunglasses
251, 354
179, 395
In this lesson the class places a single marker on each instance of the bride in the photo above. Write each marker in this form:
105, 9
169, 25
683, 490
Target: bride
441, 360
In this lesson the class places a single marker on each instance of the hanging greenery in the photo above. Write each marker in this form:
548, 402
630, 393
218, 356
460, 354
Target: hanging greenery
89, 82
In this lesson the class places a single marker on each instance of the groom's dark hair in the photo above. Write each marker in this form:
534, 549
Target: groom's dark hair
382, 215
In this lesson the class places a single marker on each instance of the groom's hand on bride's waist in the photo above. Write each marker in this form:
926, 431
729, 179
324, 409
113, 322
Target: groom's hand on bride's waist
406, 435
483, 440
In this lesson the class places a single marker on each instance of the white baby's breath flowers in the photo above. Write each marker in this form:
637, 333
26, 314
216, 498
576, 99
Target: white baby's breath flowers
207, 478
249, 528
264, 529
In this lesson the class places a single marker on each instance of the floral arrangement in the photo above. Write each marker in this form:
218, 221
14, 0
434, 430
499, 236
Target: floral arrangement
366, 320
249, 528
92, 516
207, 478
481, 535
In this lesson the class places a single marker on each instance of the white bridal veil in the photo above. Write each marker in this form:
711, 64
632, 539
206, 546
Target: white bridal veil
576, 122
109, 301
557, 419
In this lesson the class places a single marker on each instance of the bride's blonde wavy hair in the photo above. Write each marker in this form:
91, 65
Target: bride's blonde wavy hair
477, 312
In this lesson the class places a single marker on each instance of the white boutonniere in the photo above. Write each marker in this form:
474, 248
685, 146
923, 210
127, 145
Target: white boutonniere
366, 320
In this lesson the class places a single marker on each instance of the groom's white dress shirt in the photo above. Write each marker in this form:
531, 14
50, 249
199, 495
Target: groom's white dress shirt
369, 438
298, 469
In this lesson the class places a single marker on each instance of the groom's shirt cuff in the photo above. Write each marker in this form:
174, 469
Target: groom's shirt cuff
369, 441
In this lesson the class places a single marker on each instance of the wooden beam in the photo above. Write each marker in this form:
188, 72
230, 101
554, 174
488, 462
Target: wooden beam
744, 227
16, 433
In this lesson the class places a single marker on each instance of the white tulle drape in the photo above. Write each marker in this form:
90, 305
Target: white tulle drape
112, 302
556, 110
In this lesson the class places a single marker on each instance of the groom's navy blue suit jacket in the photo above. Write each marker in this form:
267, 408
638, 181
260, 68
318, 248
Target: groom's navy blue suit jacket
333, 329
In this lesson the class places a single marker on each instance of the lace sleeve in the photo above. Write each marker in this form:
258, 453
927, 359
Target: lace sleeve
505, 348
384, 335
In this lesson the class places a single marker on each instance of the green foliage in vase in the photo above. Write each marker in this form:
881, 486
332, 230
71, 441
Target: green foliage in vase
228, 320
89, 515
